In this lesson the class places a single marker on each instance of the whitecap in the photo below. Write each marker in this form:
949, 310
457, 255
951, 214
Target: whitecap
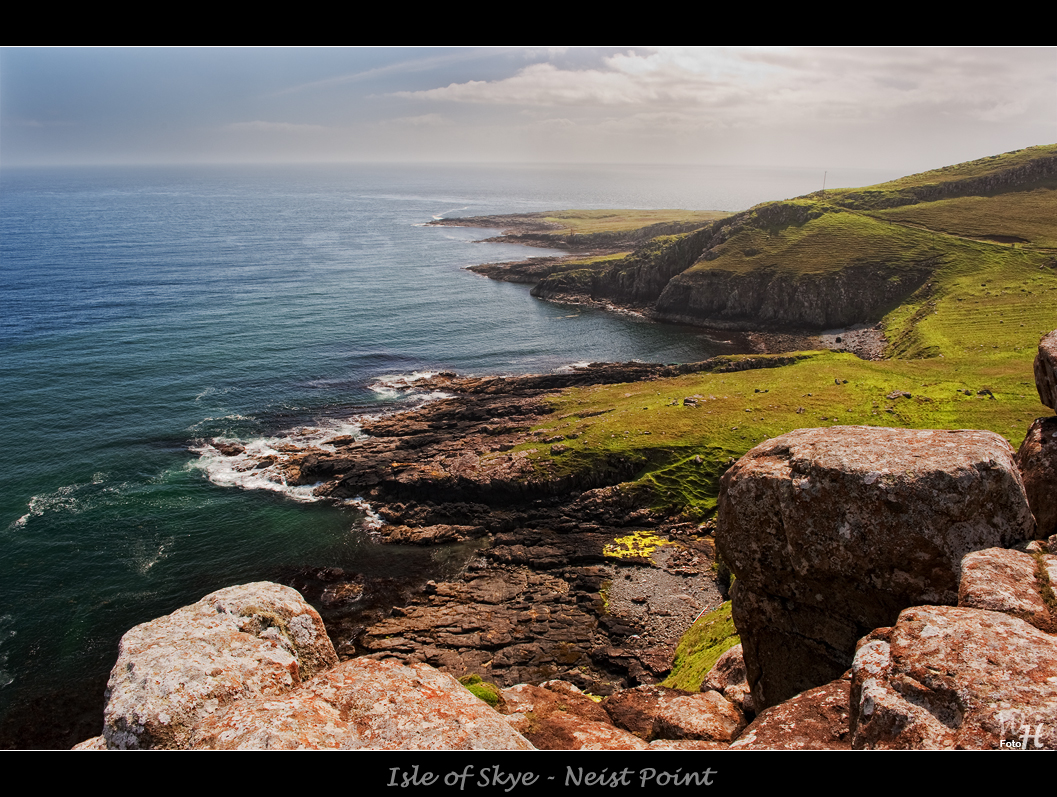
372, 520
258, 465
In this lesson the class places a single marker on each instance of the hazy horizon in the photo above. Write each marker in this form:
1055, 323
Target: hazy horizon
903, 109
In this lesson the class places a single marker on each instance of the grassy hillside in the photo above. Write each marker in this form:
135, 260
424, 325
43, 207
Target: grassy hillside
960, 347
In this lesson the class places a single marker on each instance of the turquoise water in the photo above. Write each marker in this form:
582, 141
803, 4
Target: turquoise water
146, 310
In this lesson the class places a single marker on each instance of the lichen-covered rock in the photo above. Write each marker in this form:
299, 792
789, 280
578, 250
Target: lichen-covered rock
658, 712
1046, 370
1037, 460
557, 716
813, 720
831, 532
946, 677
363, 703
728, 677
1001, 580
173, 672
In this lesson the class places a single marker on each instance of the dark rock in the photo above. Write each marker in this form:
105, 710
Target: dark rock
1037, 460
1046, 370
831, 532
817, 719
658, 712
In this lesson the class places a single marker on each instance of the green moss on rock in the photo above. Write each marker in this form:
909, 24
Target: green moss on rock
709, 638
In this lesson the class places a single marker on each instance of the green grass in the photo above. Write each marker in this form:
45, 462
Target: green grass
1024, 218
581, 222
680, 452
961, 346
699, 649
483, 690
832, 240
907, 190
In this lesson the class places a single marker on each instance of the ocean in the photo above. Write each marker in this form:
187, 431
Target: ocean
147, 310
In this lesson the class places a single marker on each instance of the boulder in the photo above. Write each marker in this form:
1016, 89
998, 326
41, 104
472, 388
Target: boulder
832, 532
658, 712
946, 677
728, 677
1037, 460
562, 718
817, 719
171, 673
1001, 580
363, 703
1046, 370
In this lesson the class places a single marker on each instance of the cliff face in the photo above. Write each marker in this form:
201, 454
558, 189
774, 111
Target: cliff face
1041, 170
816, 262
770, 298
637, 279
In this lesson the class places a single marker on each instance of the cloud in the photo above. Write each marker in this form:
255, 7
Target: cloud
750, 83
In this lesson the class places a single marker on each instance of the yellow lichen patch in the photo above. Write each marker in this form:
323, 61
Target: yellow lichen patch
640, 543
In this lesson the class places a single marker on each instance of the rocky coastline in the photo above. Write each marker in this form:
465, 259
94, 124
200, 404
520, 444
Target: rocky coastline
894, 590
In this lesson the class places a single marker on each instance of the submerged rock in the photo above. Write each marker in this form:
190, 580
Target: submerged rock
832, 532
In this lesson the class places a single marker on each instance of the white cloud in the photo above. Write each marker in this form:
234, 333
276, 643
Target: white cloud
778, 84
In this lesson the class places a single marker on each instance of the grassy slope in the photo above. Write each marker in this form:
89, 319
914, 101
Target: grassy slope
832, 240
975, 326
583, 222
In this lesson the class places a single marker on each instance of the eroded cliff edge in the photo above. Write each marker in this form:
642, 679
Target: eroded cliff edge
817, 262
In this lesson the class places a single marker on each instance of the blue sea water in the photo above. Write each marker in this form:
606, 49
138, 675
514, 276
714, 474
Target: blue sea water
146, 310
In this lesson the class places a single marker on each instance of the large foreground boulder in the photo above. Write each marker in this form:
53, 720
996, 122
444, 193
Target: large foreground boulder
658, 712
946, 677
363, 703
832, 532
246, 641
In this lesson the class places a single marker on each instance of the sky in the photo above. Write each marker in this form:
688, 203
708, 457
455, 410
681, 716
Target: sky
908, 109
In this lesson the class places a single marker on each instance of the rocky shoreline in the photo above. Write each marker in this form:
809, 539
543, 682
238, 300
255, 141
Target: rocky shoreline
894, 590
547, 591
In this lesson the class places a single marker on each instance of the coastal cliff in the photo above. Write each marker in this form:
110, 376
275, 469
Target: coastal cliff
822, 261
